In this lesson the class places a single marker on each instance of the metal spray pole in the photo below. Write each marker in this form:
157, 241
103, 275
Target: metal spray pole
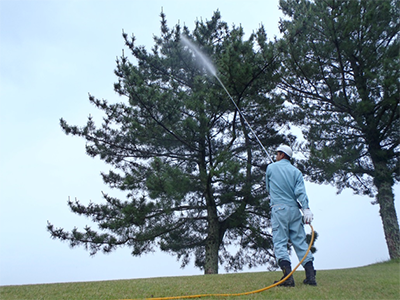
244, 118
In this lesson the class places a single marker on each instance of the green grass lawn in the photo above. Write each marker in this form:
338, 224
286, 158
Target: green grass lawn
378, 281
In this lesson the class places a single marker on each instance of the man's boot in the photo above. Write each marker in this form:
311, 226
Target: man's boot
310, 274
286, 268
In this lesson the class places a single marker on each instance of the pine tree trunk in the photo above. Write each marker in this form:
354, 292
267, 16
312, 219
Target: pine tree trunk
383, 181
212, 241
212, 247
389, 219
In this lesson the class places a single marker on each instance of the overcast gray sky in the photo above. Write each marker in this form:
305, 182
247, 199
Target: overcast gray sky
52, 54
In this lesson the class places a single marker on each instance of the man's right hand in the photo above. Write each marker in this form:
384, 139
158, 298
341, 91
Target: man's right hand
307, 215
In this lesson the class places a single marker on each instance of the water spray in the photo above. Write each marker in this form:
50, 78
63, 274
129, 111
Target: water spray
211, 69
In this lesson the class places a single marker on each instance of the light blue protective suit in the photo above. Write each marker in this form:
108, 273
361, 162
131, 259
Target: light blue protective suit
285, 185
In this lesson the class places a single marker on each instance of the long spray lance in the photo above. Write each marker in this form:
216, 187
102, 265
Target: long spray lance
210, 67
244, 118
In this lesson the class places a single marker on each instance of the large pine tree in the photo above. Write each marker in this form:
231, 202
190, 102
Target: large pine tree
192, 170
341, 66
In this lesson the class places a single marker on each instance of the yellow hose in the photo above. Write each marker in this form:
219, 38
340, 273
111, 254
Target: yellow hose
245, 293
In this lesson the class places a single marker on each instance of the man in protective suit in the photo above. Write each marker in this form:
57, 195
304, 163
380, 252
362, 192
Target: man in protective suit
285, 184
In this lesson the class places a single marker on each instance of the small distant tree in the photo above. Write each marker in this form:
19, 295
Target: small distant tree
340, 66
192, 170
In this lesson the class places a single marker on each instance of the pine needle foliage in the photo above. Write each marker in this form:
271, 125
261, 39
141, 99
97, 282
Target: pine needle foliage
191, 169
340, 71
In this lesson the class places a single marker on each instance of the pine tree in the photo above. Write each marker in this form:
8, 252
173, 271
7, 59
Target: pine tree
192, 170
340, 61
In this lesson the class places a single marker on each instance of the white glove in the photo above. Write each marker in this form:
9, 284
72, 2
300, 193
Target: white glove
307, 215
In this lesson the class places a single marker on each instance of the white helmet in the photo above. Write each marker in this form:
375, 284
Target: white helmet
285, 149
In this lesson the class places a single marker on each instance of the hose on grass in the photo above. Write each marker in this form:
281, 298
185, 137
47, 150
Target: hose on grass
240, 294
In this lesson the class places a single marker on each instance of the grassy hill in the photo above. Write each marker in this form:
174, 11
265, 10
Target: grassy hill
378, 281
